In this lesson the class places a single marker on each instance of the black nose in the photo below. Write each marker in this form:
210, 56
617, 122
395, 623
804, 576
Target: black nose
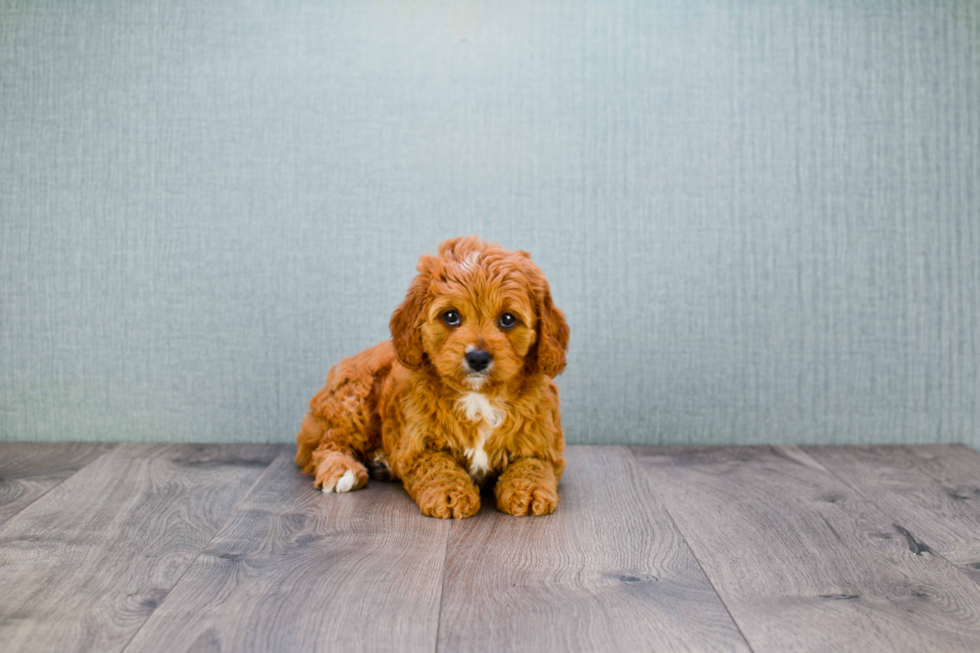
478, 360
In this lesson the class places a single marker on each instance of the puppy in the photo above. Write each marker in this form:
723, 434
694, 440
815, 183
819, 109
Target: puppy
461, 396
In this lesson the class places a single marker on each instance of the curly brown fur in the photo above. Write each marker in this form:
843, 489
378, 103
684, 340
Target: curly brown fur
415, 407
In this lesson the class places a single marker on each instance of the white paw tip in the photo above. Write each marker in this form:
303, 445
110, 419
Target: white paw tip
327, 489
346, 482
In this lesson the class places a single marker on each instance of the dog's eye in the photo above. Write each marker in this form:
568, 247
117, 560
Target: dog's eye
507, 321
451, 318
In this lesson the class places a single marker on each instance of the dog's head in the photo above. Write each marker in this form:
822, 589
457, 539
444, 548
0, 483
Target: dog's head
479, 315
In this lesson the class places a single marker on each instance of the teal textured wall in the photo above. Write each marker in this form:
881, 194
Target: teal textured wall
762, 218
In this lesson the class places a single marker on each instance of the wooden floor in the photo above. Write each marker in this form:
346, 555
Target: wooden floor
229, 547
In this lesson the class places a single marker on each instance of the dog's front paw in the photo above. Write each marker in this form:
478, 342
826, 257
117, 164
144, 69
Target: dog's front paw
522, 498
338, 472
452, 500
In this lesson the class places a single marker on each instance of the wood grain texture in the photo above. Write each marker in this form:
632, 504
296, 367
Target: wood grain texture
84, 566
28, 470
607, 572
933, 491
298, 570
803, 562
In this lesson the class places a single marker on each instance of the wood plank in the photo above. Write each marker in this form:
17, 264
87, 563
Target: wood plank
84, 566
298, 570
608, 571
951, 461
804, 562
933, 491
28, 470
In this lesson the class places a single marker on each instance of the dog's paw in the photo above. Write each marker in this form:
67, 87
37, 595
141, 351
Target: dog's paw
344, 484
521, 499
340, 473
454, 500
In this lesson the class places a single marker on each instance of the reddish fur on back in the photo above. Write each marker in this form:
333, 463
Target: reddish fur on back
404, 402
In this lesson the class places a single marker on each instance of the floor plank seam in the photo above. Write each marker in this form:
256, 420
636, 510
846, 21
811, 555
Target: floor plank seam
694, 555
442, 585
203, 549
111, 448
914, 542
815, 548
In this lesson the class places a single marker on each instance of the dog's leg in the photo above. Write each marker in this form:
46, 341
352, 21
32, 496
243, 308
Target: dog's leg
440, 487
336, 468
527, 487
330, 455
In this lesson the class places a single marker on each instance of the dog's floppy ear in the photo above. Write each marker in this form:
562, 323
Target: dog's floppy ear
407, 319
552, 336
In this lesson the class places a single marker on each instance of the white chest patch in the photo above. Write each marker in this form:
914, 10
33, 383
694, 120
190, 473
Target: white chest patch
478, 408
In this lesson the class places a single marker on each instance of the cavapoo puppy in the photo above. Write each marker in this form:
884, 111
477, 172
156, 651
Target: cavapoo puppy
461, 396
